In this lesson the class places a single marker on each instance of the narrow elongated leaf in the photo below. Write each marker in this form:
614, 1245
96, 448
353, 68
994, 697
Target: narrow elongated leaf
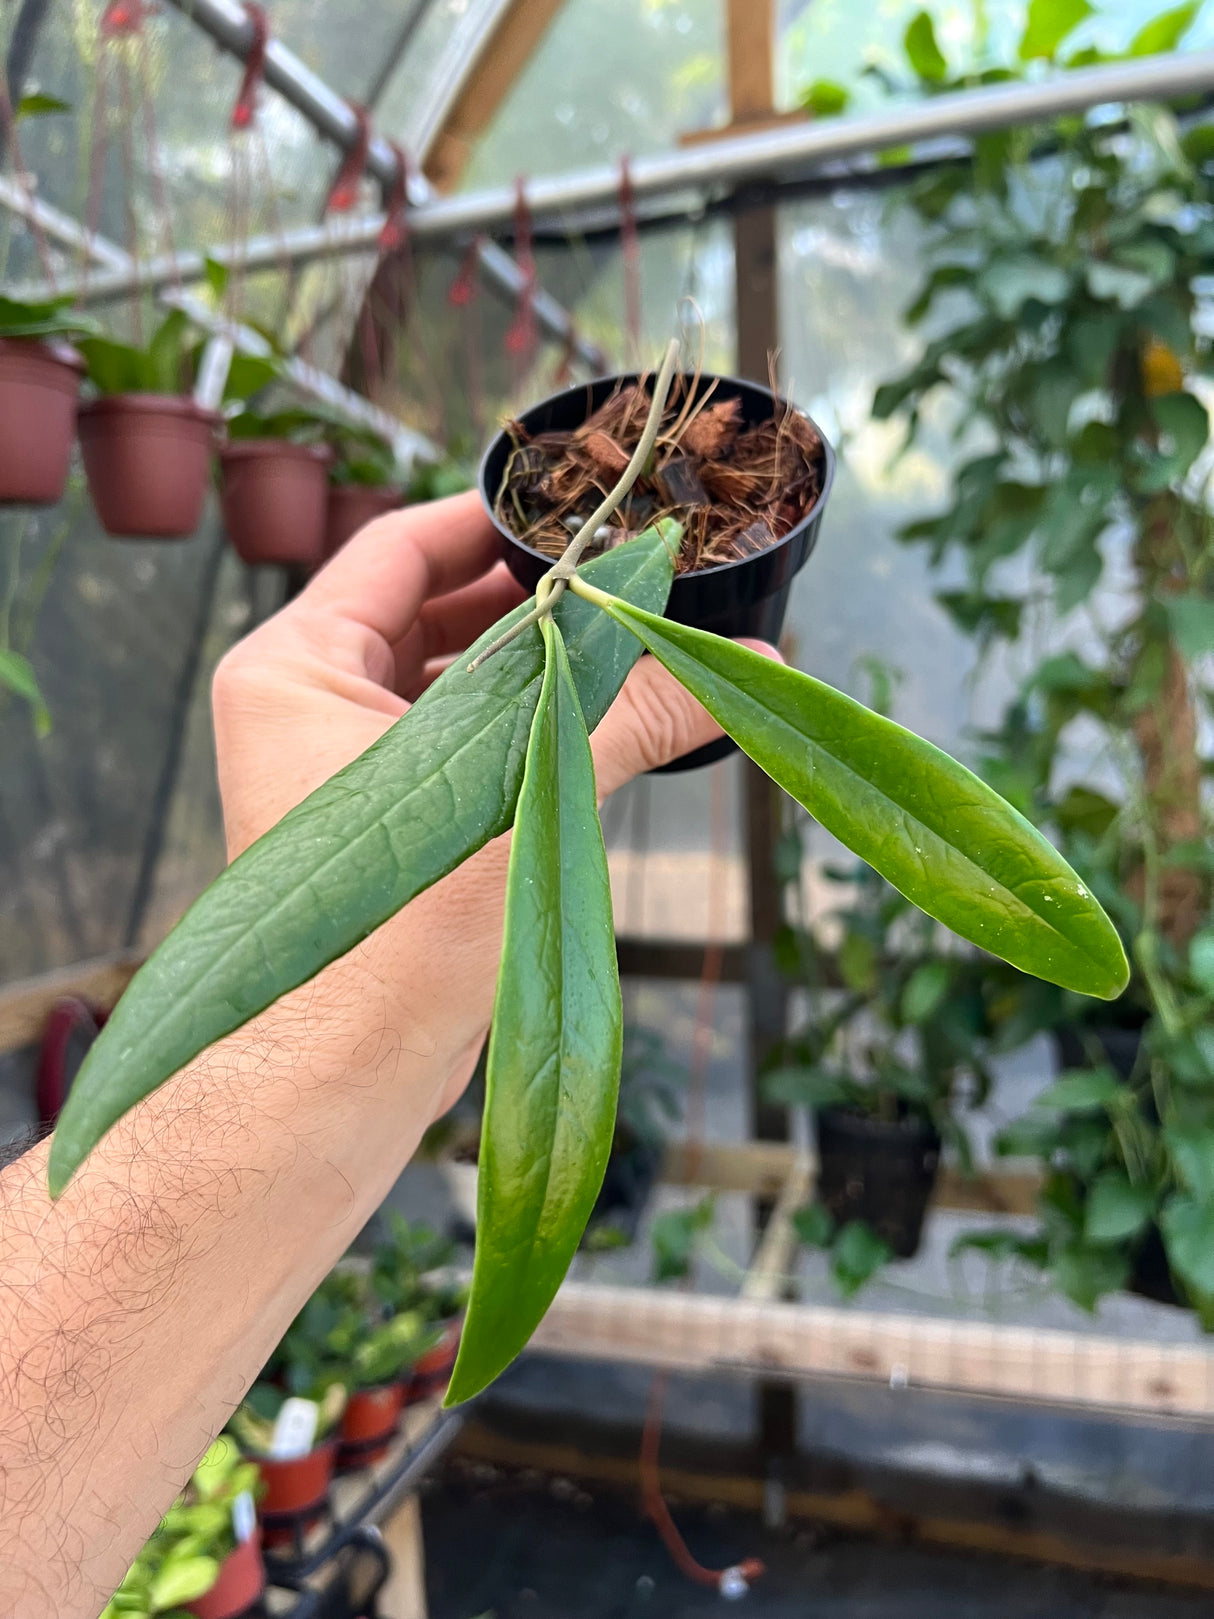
935, 831
554, 1053
435, 788
17, 675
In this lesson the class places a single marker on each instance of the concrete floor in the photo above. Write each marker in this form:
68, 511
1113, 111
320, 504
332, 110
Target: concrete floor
529, 1547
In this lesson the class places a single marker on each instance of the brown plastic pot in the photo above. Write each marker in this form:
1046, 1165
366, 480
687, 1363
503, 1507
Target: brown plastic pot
369, 1424
242, 1579
432, 1372
146, 457
39, 391
296, 1492
352, 506
275, 500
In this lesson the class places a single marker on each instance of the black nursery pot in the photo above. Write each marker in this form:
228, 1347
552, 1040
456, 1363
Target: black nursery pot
878, 1171
737, 598
1118, 1042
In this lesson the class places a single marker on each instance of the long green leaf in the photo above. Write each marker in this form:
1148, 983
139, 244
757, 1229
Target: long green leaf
554, 1054
930, 827
435, 788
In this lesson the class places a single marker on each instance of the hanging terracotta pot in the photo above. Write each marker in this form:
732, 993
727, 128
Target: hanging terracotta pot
275, 498
242, 1579
39, 390
146, 457
369, 1424
352, 506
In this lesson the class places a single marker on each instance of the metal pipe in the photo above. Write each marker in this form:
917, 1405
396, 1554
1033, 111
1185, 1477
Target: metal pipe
738, 160
228, 24
308, 379
716, 165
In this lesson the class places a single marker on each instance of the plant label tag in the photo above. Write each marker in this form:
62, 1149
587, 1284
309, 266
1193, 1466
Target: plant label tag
294, 1429
244, 1517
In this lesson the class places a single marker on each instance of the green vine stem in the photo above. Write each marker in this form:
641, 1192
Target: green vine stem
554, 583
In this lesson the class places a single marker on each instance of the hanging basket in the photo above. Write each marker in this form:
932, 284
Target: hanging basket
275, 500
352, 506
146, 457
39, 390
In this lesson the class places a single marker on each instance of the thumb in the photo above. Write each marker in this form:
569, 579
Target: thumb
653, 721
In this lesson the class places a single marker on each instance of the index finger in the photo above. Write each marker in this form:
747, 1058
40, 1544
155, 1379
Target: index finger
384, 575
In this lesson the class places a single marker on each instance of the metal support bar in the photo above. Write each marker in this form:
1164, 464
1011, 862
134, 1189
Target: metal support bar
308, 379
228, 25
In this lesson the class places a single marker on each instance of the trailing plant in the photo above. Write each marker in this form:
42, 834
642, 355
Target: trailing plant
1064, 305
163, 365
855, 1252
182, 1558
506, 736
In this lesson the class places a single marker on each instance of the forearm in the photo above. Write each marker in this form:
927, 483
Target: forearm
136, 1311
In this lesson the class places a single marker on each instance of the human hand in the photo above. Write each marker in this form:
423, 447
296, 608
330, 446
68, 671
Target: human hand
320, 682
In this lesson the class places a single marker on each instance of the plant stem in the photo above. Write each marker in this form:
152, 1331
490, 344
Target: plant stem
564, 572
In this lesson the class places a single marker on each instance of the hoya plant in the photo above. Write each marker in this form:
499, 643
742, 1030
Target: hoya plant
505, 737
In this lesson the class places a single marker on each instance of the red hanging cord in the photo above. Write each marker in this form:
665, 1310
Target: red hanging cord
462, 294
123, 17
343, 193
395, 232
630, 246
245, 109
521, 336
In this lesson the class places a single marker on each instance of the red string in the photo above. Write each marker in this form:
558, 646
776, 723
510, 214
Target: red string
395, 233
521, 335
245, 109
630, 245
463, 289
343, 193
123, 17
563, 375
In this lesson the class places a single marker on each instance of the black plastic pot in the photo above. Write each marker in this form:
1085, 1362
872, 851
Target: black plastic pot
1119, 1042
738, 598
878, 1171
1151, 1276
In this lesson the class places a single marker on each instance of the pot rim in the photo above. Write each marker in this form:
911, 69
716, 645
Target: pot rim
623, 378
904, 1129
148, 404
329, 1442
57, 349
265, 449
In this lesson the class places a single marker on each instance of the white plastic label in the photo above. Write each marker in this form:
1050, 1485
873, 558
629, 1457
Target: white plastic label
244, 1517
294, 1429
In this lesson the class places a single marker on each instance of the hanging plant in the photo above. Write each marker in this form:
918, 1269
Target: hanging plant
364, 483
147, 444
274, 486
40, 374
504, 737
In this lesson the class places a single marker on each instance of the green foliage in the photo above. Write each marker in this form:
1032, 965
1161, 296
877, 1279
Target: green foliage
677, 1237
182, 1559
362, 456
825, 99
17, 676
922, 51
856, 1252
161, 366
402, 1265
555, 1046
53, 318
1048, 24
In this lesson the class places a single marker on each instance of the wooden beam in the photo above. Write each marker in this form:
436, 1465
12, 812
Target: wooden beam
750, 27
854, 1509
760, 1338
505, 52
25, 1005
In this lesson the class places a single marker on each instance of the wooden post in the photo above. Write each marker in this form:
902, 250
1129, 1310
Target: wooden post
751, 30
